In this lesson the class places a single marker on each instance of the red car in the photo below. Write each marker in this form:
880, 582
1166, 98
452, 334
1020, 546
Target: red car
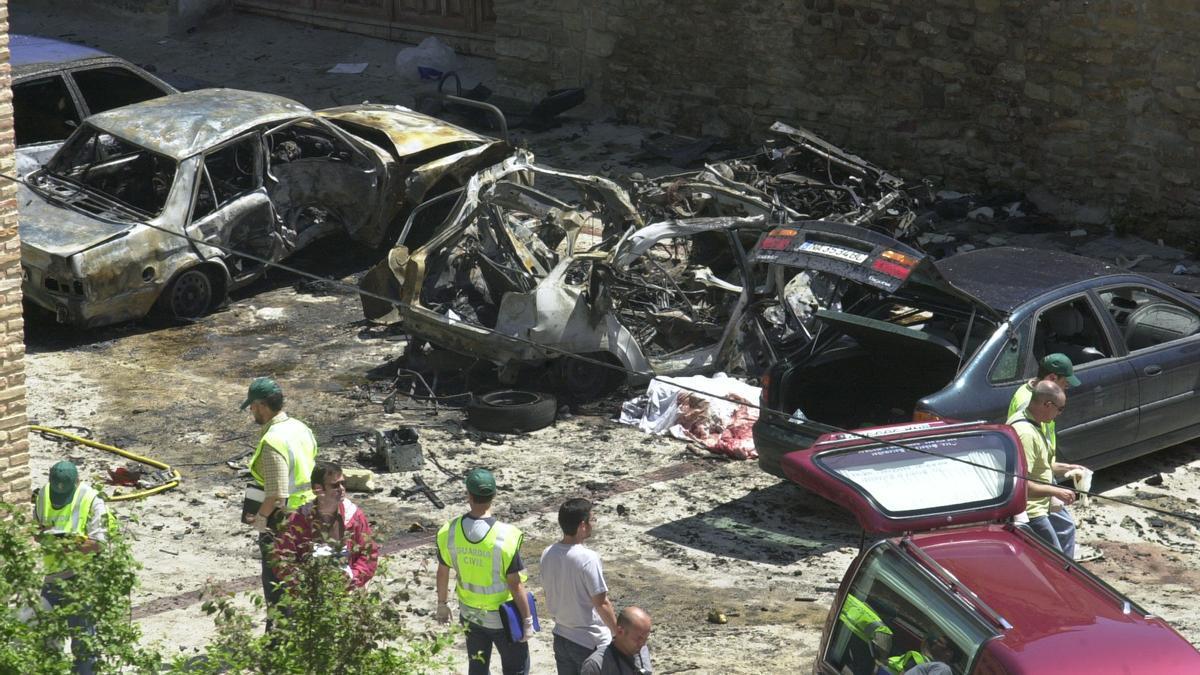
962, 590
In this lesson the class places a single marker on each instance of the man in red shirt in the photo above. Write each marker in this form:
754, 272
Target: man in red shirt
331, 526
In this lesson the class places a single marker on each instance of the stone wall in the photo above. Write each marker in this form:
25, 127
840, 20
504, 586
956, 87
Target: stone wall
1094, 101
14, 443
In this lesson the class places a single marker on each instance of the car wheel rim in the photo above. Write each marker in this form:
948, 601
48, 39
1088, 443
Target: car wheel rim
191, 295
511, 398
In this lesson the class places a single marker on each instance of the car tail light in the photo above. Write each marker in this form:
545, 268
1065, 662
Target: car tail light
920, 415
891, 269
764, 397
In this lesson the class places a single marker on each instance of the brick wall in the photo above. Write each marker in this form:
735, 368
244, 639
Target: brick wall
1095, 101
14, 443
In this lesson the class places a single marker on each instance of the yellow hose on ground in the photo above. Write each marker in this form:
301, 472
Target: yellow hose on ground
174, 481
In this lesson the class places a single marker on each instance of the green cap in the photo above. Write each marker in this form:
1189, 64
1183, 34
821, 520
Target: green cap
1060, 365
260, 388
64, 477
481, 483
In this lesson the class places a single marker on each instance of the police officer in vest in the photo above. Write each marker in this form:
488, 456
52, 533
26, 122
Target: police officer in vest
282, 464
64, 508
486, 555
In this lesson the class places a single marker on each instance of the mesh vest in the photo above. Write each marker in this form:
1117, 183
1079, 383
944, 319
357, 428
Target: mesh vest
295, 441
482, 578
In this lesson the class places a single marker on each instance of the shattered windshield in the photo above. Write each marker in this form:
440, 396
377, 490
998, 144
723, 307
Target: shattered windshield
117, 169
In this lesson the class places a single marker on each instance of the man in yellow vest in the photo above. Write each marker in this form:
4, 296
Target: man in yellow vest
1041, 463
282, 464
65, 508
1056, 368
486, 555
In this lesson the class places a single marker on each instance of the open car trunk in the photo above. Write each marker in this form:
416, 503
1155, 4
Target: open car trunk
887, 329
873, 374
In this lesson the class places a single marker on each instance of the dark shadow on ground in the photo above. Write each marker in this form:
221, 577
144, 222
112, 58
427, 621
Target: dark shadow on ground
334, 258
780, 525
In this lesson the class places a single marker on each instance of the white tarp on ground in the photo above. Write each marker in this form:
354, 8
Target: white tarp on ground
722, 426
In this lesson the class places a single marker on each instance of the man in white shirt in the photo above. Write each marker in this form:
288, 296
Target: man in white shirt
576, 594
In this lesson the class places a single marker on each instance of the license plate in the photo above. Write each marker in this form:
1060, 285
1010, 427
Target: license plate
833, 251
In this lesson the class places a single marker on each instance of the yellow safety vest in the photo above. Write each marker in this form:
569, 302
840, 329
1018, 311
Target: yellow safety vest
482, 578
899, 664
862, 620
70, 519
295, 441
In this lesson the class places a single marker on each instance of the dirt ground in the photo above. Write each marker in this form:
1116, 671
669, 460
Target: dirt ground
680, 533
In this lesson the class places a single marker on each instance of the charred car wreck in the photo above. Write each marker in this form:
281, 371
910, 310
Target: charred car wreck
530, 262
147, 204
521, 276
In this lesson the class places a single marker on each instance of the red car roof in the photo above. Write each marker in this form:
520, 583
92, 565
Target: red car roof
1062, 620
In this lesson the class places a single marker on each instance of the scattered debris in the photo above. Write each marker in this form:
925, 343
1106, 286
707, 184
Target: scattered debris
399, 449
429, 60
348, 68
421, 488
572, 263
359, 480
717, 424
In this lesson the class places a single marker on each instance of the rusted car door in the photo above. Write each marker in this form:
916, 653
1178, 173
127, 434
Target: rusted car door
319, 182
230, 208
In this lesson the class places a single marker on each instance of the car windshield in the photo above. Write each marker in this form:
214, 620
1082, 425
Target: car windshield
896, 615
929, 475
115, 168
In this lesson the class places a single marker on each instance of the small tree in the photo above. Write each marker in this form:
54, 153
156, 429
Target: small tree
322, 626
32, 635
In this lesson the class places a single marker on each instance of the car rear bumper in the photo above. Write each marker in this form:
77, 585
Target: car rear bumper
75, 310
773, 440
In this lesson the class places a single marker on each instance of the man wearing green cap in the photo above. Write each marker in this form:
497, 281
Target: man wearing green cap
282, 464
1056, 368
65, 508
486, 555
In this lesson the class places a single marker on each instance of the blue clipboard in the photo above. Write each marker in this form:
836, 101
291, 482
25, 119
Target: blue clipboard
511, 618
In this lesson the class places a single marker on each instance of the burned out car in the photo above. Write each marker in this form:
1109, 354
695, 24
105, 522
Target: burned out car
897, 336
177, 200
519, 276
943, 583
649, 274
795, 176
56, 85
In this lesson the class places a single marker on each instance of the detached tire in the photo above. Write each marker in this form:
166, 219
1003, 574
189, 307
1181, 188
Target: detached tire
512, 411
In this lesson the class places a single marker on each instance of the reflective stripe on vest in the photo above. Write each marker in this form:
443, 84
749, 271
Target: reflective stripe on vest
292, 439
481, 566
861, 619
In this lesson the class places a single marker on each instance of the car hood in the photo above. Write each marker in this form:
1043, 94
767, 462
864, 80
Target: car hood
59, 230
410, 131
862, 256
